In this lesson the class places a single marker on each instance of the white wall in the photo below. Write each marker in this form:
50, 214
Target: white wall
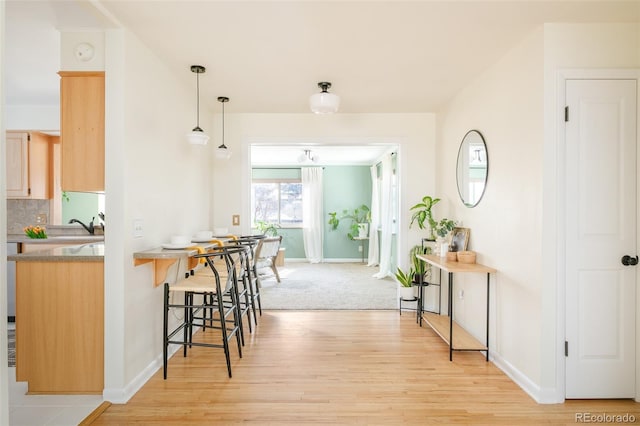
32, 117
506, 105
415, 134
152, 174
569, 46
514, 228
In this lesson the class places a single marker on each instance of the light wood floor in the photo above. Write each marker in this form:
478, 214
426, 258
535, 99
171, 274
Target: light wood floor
342, 367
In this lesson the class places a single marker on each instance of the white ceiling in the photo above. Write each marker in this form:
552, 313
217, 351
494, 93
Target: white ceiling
268, 56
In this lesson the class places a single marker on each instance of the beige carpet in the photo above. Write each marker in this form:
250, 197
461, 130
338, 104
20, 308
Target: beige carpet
331, 286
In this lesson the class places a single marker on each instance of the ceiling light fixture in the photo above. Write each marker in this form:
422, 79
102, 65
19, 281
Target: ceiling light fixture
197, 136
307, 158
222, 152
324, 102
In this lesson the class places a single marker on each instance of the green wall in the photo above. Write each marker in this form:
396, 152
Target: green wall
82, 206
345, 187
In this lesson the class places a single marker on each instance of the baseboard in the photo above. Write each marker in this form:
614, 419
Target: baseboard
121, 396
539, 395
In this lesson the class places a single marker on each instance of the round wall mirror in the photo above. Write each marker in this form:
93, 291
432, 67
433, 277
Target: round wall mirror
472, 168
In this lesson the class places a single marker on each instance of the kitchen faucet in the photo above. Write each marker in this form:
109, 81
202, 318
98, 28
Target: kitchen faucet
89, 228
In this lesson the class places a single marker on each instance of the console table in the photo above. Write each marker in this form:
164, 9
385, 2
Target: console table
456, 337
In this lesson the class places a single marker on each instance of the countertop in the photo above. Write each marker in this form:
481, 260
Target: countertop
55, 239
91, 252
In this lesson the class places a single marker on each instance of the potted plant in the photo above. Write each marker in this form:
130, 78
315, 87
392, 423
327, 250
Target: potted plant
422, 213
405, 281
421, 269
444, 227
442, 230
267, 228
360, 218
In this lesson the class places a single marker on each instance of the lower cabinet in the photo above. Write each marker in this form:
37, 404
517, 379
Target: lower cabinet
60, 334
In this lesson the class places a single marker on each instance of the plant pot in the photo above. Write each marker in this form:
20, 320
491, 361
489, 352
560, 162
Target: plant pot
406, 293
363, 230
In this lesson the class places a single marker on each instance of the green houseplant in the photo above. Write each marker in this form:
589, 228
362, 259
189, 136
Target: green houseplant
358, 216
422, 213
405, 280
267, 228
444, 227
421, 269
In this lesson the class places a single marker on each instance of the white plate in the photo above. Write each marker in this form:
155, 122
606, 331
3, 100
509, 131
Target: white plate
175, 246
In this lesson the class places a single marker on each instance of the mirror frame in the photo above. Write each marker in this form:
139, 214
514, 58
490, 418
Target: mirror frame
459, 166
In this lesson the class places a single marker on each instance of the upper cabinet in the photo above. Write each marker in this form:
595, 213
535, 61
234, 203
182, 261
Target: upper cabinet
82, 131
29, 165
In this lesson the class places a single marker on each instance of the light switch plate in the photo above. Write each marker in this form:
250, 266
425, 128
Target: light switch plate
41, 218
138, 231
235, 220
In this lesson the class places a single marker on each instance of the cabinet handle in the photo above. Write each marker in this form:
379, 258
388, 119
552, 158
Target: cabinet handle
629, 261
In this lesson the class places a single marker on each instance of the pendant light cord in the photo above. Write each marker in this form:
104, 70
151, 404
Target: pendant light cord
198, 100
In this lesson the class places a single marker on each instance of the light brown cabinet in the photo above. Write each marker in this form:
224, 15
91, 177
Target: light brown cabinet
29, 165
60, 334
82, 131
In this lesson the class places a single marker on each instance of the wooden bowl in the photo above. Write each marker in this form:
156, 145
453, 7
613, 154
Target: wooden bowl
452, 256
467, 256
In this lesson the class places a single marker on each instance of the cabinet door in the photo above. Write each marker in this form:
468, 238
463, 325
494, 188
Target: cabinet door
17, 164
28, 165
82, 131
40, 167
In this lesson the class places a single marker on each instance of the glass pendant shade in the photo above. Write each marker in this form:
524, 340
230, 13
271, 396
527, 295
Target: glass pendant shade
223, 153
324, 102
197, 137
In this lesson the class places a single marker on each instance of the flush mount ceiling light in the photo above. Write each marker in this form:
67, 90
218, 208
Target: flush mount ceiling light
324, 102
307, 158
197, 136
222, 152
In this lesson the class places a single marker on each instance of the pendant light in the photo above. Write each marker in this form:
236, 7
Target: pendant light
197, 136
324, 102
222, 152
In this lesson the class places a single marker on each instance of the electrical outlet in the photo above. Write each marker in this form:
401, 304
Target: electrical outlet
41, 218
360, 248
235, 220
461, 294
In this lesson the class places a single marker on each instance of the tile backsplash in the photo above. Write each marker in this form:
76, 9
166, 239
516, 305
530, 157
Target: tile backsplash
21, 213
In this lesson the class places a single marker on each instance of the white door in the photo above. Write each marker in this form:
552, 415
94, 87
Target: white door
600, 229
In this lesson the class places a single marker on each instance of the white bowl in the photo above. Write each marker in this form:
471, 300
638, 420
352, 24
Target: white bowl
203, 235
221, 231
180, 239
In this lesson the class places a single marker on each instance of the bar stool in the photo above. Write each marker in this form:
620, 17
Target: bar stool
250, 275
204, 296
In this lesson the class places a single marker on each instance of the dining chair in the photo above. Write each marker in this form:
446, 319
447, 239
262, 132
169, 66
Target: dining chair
265, 255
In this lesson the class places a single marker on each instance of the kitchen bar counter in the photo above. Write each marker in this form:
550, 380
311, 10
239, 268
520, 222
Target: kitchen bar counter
55, 239
163, 259
92, 252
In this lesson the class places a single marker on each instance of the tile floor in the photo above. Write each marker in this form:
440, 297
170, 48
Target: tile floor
36, 410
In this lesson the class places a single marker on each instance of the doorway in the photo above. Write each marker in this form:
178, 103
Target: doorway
346, 167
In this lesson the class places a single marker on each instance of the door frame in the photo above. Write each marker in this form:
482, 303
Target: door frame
560, 248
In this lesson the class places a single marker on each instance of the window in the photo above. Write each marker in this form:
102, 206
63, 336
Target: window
277, 201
